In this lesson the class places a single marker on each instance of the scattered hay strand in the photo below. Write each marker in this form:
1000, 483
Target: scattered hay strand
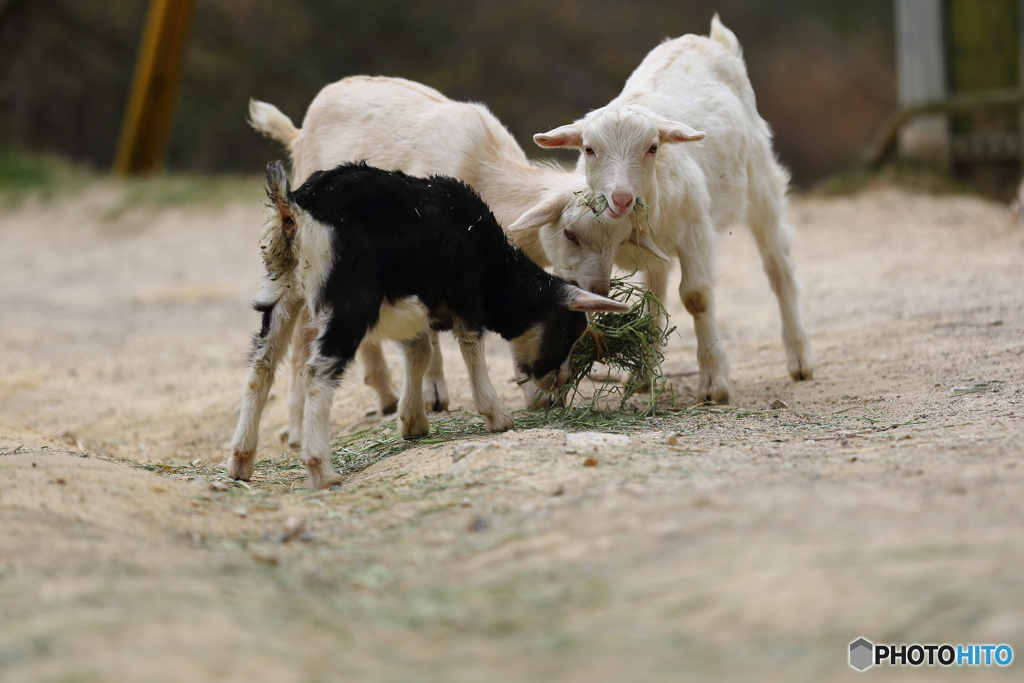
973, 386
357, 451
354, 452
596, 203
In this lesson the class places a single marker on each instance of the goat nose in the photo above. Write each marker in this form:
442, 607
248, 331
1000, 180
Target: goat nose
622, 201
601, 288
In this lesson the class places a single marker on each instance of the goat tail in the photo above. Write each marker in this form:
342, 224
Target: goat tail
277, 184
724, 36
267, 119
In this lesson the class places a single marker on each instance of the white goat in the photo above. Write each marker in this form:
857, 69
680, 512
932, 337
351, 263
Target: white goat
397, 124
695, 189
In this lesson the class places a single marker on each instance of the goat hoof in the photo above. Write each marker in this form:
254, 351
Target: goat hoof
714, 391
435, 395
644, 385
321, 482
502, 422
241, 465
319, 472
389, 408
411, 426
801, 372
285, 436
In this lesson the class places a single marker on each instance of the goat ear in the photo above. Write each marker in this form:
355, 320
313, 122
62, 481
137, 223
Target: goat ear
674, 131
278, 188
580, 300
547, 211
566, 136
640, 238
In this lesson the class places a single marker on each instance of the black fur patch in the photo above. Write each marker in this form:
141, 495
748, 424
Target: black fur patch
395, 236
268, 312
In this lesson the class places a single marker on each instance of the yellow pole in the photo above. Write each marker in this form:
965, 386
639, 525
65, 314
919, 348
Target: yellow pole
150, 112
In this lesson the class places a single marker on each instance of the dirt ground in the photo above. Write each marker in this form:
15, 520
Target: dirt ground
885, 501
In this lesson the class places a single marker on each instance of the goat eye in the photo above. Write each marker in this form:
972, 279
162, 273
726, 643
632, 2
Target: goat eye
589, 151
653, 149
572, 237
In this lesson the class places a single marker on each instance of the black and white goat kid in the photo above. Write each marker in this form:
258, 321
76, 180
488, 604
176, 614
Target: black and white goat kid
382, 255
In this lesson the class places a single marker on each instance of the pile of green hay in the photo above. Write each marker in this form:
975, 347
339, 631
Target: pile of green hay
627, 344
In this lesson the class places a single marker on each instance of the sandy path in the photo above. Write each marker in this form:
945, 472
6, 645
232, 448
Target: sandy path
885, 502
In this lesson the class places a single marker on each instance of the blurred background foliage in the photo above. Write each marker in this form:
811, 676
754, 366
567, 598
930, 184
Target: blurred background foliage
823, 70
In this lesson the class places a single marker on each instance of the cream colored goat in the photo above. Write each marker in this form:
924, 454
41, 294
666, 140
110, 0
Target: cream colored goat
696, 188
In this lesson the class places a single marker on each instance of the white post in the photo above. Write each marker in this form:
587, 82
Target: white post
921, 77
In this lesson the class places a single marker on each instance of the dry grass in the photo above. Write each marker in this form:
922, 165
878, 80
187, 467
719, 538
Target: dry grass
628, 344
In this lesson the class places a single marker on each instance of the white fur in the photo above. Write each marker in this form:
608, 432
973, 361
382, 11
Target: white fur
313, 245
496, 415
403, 320
695, 187
269, 120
